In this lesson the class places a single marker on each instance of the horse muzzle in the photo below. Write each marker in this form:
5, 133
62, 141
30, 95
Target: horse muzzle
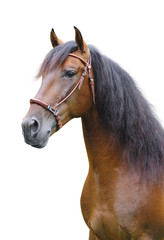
36, 133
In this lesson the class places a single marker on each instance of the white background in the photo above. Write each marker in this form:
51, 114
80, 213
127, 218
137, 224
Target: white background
40, 189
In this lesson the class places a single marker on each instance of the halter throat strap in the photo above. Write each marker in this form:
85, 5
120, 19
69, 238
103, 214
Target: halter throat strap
54, 110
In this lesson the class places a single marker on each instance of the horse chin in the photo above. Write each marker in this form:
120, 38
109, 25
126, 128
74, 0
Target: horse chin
40, 145
37, 143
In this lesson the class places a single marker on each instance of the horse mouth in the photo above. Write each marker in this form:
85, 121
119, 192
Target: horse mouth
37, 143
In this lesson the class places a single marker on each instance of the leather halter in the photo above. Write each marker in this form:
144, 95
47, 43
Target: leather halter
55, 110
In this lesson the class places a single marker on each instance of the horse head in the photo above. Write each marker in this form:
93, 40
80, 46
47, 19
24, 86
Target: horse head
65, 91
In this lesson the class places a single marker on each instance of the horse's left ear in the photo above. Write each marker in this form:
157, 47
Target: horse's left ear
54, 39
82, 46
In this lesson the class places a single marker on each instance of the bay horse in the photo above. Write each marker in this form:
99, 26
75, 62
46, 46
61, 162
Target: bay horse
123, 195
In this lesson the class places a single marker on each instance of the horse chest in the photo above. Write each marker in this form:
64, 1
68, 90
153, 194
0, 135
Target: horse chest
99, 214
114, 213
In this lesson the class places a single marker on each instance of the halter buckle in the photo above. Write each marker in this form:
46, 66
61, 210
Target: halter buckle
89, 66
55, 112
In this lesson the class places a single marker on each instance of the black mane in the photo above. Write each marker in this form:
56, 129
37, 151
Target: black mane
128, 116
123, 111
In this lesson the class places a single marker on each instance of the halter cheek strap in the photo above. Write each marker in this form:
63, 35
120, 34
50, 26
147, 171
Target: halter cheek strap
55, 110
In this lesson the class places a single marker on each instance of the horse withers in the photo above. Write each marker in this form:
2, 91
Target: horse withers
123, 195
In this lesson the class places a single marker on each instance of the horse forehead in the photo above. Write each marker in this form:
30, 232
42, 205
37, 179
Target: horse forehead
51, 76
72, 62
75, 60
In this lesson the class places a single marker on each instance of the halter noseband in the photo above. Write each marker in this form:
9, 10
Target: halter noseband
55, 110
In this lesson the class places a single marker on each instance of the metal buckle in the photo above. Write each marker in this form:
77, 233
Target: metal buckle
49, 107
89, 66
55, 112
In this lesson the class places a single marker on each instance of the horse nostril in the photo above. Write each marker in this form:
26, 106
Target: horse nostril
48, 133
34, 126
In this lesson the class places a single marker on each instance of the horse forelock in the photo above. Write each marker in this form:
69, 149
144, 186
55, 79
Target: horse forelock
56, 57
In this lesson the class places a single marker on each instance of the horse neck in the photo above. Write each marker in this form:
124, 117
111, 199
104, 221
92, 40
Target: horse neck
102, 149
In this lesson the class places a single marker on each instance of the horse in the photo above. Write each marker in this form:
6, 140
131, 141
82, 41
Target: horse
123, 194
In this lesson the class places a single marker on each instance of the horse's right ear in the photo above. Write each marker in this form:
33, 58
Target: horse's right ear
54, 39
82, 46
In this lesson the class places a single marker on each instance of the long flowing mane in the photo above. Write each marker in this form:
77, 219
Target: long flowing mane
123, 111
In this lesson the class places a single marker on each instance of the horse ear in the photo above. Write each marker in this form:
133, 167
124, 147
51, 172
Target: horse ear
82, 46
54, 39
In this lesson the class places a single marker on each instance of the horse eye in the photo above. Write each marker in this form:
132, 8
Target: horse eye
70, 73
